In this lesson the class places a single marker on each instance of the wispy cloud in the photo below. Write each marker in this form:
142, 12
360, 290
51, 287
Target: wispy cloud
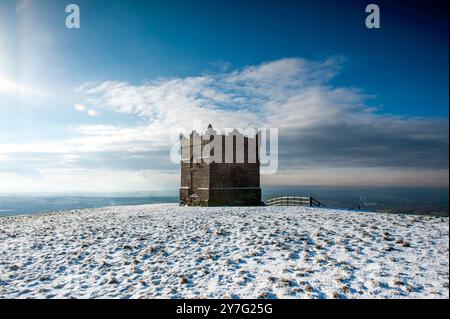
322, 127
319, 124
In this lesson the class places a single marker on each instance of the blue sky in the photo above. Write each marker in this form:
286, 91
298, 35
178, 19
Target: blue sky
388, 88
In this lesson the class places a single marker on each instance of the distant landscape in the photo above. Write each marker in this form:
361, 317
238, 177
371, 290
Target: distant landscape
19, 205
398, 200
430, 201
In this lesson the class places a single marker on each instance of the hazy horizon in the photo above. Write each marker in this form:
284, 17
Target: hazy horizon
175, 191
394, 200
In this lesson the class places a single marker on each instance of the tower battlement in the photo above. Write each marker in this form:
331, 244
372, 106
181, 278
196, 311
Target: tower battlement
220, 169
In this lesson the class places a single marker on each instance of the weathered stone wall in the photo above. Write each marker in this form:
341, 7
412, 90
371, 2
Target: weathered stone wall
235, 197
194, 180
225, 175
235, 183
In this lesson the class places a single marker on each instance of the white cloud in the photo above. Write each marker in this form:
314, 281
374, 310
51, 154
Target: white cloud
328, 134
288, 92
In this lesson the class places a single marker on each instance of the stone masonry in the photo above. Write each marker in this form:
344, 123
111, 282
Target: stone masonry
220, 170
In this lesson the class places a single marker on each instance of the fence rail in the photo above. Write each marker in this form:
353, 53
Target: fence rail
293, 201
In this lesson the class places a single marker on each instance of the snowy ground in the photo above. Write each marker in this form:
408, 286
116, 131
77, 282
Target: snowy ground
166, 251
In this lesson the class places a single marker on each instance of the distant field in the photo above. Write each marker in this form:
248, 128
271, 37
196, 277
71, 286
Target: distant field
399, 200
18, 205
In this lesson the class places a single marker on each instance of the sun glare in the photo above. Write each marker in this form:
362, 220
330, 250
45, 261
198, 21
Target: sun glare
14, 88
11, 87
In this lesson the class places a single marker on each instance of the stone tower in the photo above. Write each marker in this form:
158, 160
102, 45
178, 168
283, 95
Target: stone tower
220, 170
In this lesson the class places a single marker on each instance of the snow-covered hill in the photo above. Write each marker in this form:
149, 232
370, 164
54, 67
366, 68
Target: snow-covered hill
166, 251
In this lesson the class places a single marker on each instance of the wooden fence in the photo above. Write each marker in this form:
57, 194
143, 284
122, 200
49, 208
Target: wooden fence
293, 201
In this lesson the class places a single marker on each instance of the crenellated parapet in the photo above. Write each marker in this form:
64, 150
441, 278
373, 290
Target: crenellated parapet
220, 169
